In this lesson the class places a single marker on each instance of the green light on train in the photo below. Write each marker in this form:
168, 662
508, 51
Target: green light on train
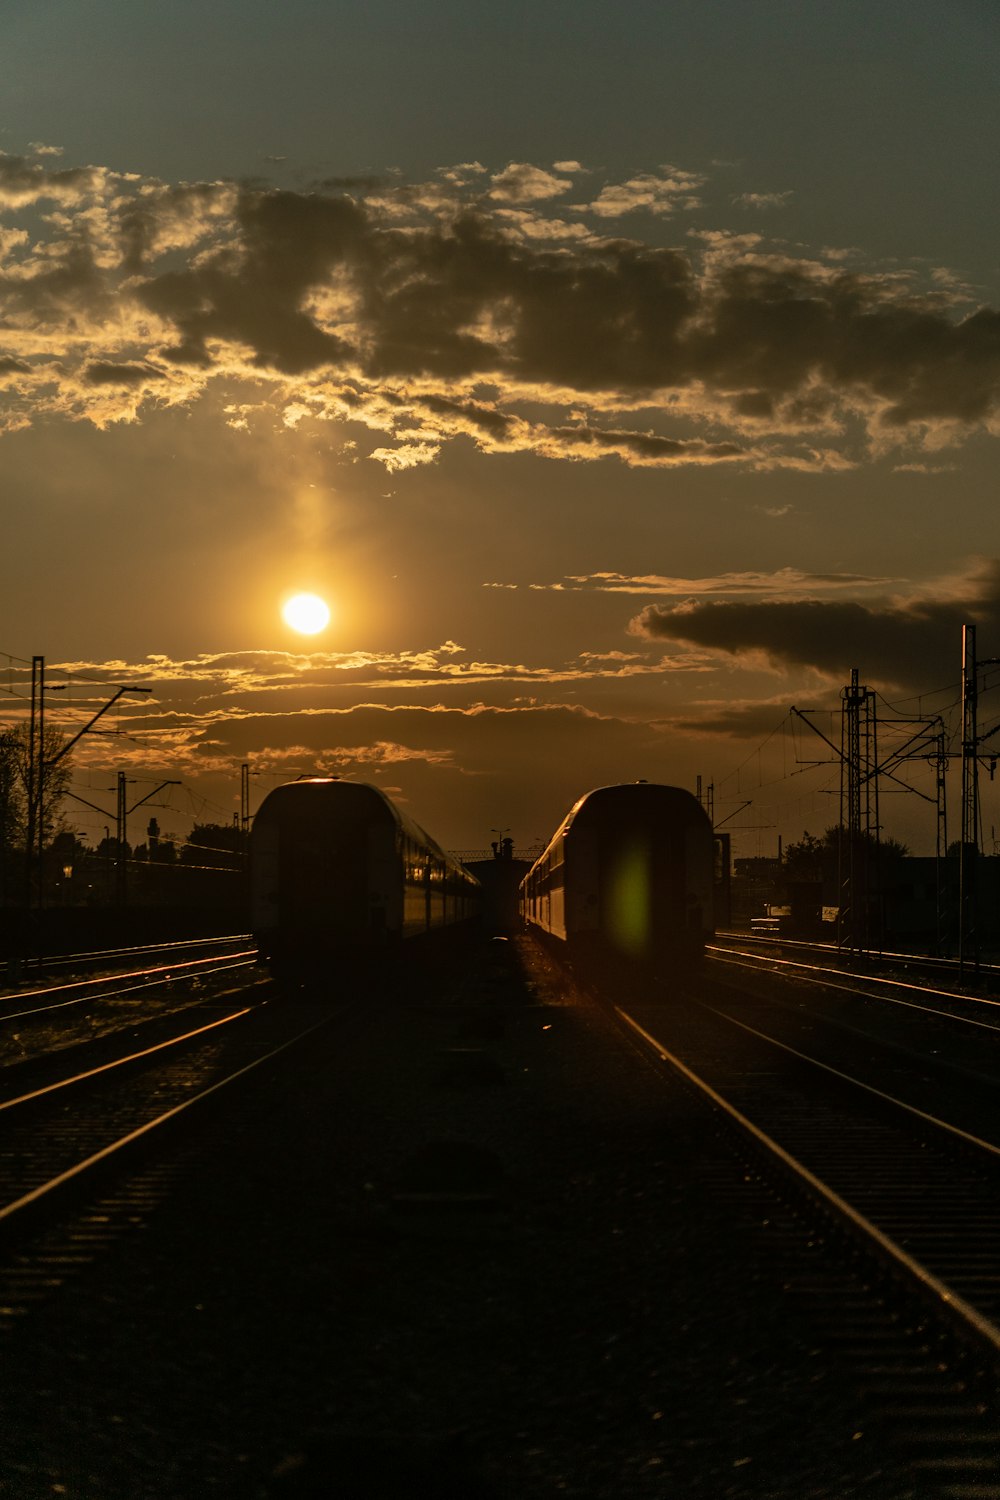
627, 907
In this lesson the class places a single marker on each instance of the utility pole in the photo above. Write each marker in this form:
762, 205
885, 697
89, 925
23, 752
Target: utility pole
859, 809
37, 671
968, 937
121, 874
968, 855
245, 800
40, 789
38, 767
940, 761
121, 884
35, 783
859, 797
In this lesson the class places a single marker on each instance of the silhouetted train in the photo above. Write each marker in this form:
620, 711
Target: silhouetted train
337, 871
627, 878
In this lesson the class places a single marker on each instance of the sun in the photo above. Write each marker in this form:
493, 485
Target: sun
306, 613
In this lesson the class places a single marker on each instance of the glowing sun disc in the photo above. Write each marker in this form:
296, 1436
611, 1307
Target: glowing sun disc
306, 613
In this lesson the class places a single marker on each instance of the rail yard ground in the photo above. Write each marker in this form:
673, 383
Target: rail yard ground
466, 1243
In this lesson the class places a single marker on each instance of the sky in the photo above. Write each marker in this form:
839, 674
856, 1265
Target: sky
622, 376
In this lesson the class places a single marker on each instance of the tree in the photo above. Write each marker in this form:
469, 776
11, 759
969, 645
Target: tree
56, 776
804, 860
18, 772
220, 845
817, 858
11, 800
11, 817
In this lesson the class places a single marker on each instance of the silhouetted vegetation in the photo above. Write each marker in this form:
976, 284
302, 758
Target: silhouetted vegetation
819, 859
219, 846
20, 822
59, 893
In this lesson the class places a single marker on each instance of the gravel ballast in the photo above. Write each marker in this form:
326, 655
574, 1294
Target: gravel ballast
469, 1244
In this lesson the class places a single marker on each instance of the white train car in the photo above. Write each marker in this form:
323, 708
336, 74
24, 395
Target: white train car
628, 877
338, 871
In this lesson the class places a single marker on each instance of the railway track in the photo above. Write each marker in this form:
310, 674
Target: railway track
504, 1311
124, 971
972, 975
79, 1012
106, 959
903, 1203
85, 1155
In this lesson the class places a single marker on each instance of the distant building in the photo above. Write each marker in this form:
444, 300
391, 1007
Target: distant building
500, 878
753, 890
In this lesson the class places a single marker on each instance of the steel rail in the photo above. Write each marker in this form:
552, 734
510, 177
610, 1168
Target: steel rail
119, 1062
919, 1114
965, 1318
950, 1301
757, 961
100, 955
71, 984
46, 1191
150, 978
929, 961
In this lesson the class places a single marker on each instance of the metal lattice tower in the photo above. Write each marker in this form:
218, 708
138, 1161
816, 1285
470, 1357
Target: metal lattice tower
968, 941
859, 816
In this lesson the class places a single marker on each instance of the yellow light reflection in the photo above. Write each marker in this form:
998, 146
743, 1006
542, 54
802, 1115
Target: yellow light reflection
628, 899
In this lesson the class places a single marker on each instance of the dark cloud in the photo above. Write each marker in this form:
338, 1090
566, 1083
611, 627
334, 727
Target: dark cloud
291, 243
22, 181
391, 287
915, 644
484, 418
63, 294
642, 446
754, 404
462, 299
107, 373
167, 218
750, 721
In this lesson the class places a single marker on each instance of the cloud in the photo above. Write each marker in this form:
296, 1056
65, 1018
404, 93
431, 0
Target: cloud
104, 372
462, 173
789, 582
428, 312
763, 200
526, 756
637, 448
522, 183
750, 720
23, 182
662, 192
406, 456
304, 680
911, 642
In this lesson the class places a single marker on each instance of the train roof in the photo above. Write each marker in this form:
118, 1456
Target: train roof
380, 799
601, 798
652, 791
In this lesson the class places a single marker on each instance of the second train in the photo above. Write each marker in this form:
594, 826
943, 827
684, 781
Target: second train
627, 880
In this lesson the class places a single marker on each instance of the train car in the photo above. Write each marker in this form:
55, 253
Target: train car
627, 879
338, 872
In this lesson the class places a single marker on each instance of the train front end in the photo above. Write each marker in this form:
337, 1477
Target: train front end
628, 879
325, 873
645, 863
